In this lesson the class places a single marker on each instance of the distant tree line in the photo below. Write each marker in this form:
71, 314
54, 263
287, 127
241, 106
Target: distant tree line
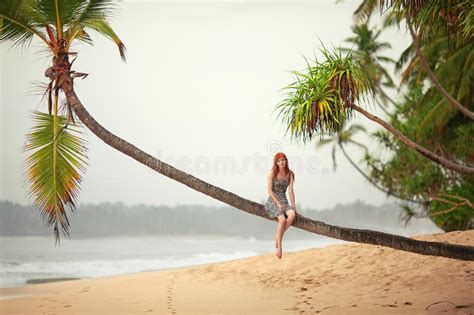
118, 219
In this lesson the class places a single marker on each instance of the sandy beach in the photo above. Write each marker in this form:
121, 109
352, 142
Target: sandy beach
337, 279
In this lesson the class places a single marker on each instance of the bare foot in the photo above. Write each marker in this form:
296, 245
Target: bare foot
278, 253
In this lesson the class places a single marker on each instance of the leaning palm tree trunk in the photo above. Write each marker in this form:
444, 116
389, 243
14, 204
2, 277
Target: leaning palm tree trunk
425, 152
348, 234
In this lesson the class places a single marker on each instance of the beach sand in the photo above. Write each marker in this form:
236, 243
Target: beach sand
337, 279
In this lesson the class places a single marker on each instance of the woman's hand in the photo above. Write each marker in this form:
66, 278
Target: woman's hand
282, 208
294, 208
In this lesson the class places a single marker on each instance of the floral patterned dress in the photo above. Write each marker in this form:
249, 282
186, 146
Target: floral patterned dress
279, 188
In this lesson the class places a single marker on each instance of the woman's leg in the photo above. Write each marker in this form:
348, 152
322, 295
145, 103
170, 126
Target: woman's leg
291, 217
279, 234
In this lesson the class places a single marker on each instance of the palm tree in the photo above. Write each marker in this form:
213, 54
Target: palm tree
346, 137
431, 18
21, 20
454, 16
367, 52
55, 185
442, 52
424, 63
456, 69
322, 99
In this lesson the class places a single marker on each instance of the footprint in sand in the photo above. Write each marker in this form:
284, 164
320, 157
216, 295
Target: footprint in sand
302, 301
170, 293
84, 290
308, 281
319, 311
387, 305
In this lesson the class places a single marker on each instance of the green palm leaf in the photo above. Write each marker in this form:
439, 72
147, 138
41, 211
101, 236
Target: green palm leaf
103, 28
319, 100
365, 9
93, 14
53, 170
95, 9
19, 22
60, 12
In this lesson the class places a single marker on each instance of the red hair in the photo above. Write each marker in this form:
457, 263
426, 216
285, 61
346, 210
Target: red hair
277, 156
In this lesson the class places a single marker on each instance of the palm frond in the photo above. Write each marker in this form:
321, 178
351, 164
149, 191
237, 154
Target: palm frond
103, 28
467, 22
53, 170
323, 142
356, 127
408, 53
59, 12
17, 22
89, 12
365, 10
94, 10
457, 71
427, 123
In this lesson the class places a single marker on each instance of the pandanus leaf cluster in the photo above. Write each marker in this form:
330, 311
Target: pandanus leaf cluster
320, 99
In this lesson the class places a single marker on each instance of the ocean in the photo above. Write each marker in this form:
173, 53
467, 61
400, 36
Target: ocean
29, 258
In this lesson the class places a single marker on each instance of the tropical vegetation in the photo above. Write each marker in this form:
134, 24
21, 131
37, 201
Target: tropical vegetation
432, 113
58, 23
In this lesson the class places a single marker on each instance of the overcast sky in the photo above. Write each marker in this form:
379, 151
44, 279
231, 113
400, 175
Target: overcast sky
197, 91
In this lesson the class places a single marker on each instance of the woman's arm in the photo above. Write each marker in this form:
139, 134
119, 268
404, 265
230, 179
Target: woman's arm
270, 190
292, 193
